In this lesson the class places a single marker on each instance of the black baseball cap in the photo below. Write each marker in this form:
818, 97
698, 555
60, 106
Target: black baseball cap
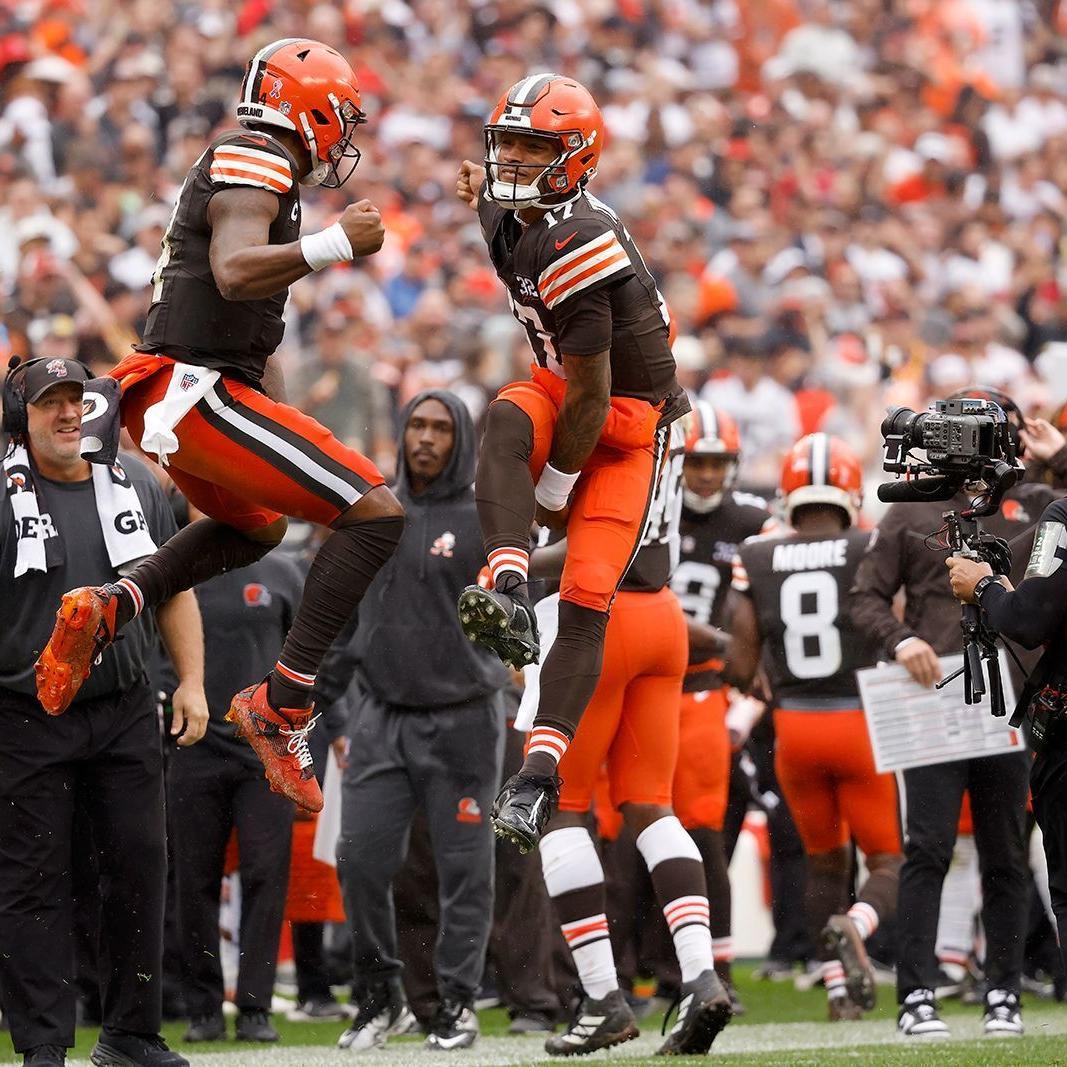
40, 376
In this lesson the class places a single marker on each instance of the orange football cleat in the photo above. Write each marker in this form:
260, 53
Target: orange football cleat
279, 738
85, 626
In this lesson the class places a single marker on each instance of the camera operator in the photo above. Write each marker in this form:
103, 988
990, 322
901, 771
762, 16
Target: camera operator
902, 556
1036, 614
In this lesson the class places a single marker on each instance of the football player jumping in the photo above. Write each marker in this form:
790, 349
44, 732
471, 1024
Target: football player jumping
579, 445
793, 611
202, 392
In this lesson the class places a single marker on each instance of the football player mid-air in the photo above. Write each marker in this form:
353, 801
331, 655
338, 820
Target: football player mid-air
579, 445
202, 392
630, 727
793, 612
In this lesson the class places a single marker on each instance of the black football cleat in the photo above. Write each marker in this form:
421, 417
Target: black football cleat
503, 623
524, 806
598, 1024
703, 1011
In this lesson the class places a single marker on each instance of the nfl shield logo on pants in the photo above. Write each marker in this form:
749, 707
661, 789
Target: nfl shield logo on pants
188, 381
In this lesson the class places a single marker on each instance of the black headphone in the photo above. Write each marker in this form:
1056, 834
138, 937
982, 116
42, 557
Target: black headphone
16, 422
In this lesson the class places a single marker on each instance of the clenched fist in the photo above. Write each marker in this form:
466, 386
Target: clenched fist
469, 183
362, 223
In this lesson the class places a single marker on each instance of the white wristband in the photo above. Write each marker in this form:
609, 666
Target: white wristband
326, 247
554, 487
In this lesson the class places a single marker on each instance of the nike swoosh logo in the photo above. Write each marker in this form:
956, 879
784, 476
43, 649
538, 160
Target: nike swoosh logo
560, 245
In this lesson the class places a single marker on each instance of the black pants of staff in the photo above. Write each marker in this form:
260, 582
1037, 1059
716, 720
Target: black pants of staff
1048, 785
446, 761
210, 795
997, 786
104, 758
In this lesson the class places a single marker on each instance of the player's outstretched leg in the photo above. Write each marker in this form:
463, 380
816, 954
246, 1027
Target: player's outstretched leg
502, 618
89, 618
275, 716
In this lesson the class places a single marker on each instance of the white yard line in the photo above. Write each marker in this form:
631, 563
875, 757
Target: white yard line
512, 1051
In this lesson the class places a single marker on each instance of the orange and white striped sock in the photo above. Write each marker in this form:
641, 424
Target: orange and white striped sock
509, 560
574, 879
833, 976
547, 741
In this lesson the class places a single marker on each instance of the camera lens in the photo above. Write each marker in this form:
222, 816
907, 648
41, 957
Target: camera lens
898, 422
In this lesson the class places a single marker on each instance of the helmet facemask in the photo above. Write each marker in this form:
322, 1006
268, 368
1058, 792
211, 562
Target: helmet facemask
547, 185
343, 155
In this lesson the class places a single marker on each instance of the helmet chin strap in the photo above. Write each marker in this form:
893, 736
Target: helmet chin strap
701, 504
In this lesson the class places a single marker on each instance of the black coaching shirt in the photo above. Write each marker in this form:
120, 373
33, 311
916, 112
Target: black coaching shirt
247, 614
578, 285
29, 602
189, 319
799, 587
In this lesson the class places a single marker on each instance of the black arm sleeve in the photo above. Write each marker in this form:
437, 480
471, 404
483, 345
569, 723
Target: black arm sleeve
1036, 611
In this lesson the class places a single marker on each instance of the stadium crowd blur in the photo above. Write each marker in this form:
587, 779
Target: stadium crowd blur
845, 204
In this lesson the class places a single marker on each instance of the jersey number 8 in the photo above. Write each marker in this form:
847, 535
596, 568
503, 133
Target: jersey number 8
812, 641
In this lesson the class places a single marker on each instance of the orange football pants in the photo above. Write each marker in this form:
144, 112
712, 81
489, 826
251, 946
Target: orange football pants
702, 777
611, 498
245, 459
826, 769
631, 723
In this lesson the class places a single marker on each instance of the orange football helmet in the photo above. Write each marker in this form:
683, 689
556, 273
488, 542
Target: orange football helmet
307, 87
820, 469
555, 107
710, 432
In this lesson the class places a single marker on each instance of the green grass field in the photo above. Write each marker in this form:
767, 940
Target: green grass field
783, 1027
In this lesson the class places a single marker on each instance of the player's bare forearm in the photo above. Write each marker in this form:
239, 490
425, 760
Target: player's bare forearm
244, 265
583, 411
743, 657
705, 641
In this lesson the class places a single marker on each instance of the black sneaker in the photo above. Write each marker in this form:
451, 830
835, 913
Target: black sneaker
919, 1016
1003, 1016
382, 1011
117, 1048
524, 806
842, 940
253, 1024
502, 623
205, 1028
45, 1056
598, 1024
454, 1026
703, 1010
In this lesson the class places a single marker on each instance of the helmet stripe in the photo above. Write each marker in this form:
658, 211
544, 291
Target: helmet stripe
528, 90
820, 459
256, 69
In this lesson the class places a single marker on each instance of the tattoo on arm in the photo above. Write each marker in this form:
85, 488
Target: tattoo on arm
583, 412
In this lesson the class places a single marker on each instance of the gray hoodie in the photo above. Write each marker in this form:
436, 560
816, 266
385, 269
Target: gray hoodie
408, 643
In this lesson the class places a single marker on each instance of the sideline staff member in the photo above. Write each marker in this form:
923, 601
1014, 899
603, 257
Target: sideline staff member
1034, 614
64, 524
